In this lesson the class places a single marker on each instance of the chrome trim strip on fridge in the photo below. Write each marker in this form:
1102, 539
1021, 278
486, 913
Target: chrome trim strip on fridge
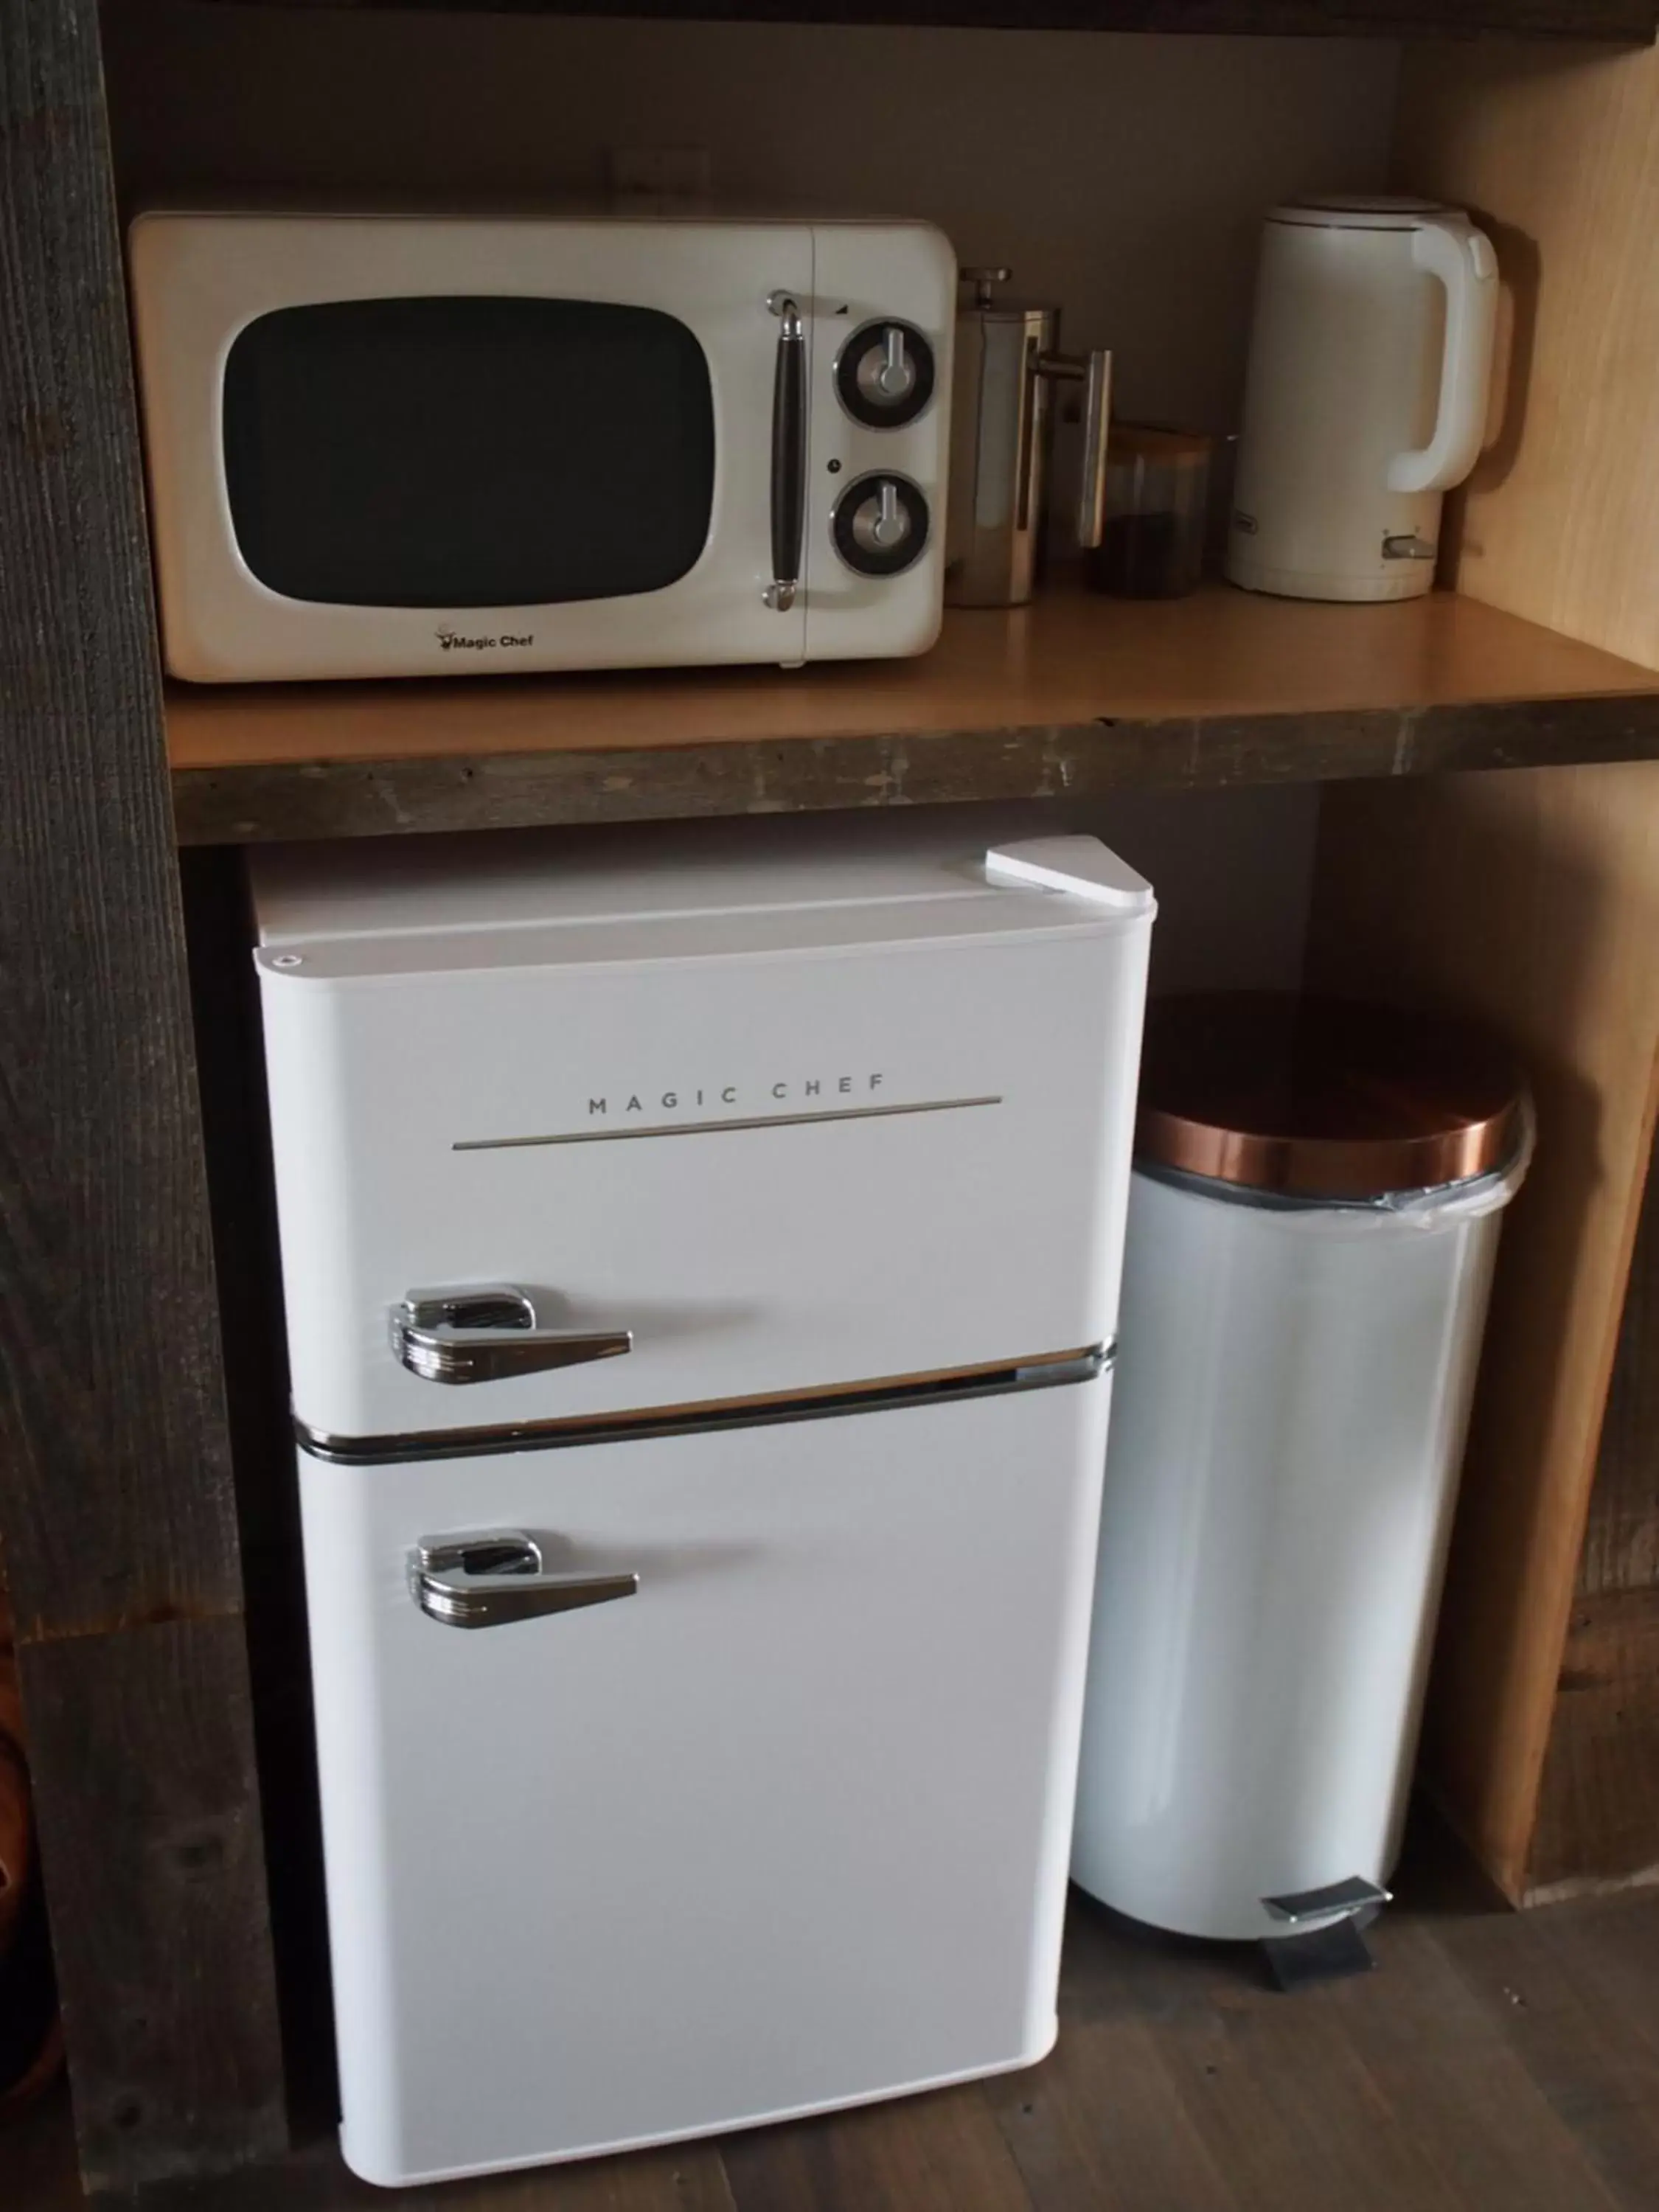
1046, 1372
712, 1128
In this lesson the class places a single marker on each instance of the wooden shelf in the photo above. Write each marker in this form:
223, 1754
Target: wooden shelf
1073, 696
1632, 21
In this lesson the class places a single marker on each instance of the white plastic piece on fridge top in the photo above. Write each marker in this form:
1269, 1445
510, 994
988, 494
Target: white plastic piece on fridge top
1081, 865
1293, 1390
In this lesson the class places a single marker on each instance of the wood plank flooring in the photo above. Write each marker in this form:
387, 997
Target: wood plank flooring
1496, 2062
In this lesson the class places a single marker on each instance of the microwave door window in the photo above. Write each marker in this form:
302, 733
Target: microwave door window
468, 452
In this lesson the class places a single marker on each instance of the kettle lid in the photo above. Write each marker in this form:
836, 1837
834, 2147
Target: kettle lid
1358, 211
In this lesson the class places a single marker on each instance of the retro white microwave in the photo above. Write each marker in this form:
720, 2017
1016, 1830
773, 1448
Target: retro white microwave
400, 445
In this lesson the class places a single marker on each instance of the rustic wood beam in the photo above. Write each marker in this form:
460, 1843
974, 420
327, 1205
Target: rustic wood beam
1630, 21
115, 1487
265, 802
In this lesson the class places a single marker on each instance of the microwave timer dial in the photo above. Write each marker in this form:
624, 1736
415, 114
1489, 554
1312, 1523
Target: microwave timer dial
885, 374
880, 524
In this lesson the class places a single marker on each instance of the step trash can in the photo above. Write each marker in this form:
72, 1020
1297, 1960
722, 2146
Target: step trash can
1315, 1211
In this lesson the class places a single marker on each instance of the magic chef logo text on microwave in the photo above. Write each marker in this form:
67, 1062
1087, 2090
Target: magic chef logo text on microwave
455, 641
809, 1094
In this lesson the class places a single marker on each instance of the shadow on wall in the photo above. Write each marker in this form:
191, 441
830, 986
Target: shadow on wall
1124, 177
1233, 871
1522, 266
1485, 897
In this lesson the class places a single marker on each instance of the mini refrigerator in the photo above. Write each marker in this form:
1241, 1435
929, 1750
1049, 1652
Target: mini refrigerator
701, 1256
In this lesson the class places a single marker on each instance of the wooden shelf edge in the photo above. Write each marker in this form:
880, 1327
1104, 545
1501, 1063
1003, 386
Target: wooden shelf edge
1623, 21
268, 802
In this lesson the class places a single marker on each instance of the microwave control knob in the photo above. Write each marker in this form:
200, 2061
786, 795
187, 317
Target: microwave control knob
880, 524
885, 374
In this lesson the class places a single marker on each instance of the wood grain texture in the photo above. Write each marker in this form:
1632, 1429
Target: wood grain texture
1485, 2130
1560, 522
1592, 2058
1373, 2094
1598, 1807
1598, 1821
162, 1954
115, 1490
108, 1335
1497, 2063
1070, 697
520, 790
1621, 1545
236, 1130
1106, 2121
1561, 525
1529, 902
1066, 661
935, 2154
1621, 20
37, 2175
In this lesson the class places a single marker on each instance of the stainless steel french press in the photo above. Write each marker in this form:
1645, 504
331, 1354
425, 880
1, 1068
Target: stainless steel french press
1007, 362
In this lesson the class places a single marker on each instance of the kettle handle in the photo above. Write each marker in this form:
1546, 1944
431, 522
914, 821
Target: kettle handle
1460, 257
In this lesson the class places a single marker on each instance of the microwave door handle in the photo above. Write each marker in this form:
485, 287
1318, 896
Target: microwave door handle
788, 453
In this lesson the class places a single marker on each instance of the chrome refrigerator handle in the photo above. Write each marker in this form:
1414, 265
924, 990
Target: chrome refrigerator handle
480, 1333
489, 1577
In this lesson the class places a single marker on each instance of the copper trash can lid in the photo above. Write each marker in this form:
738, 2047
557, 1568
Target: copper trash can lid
1322, 1097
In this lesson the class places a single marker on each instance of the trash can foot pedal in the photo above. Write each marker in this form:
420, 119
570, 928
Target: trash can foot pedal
1328, 1953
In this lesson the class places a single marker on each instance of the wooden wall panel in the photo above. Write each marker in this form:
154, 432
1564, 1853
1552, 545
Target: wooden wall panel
1528, 900
154, 1871
1621, 1547
115, 1491
1598, 1819
1535, 901
1559, 160
1631, 19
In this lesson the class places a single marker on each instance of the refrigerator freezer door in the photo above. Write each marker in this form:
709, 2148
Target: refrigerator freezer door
787, 1830
779, 1171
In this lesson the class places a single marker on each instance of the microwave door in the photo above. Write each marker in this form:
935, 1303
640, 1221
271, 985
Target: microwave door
459, 456
476, 446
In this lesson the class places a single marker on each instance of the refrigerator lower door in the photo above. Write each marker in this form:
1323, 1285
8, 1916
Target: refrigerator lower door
786, 1829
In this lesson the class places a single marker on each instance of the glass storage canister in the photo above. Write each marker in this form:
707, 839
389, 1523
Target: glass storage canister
1158, 485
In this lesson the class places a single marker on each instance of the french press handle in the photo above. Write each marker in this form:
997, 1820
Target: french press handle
1093, 371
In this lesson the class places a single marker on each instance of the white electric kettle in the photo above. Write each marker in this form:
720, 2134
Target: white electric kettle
1366, 399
